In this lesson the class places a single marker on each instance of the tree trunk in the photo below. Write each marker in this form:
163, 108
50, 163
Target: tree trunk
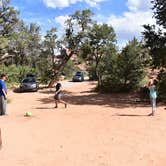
5, 57
99, 80
96, 68
57, 69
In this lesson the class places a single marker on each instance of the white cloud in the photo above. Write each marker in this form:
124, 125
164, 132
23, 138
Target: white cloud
137, 5
94, 3
130, 23
67, 3
59, 3
1, 4
61, 20
126, 26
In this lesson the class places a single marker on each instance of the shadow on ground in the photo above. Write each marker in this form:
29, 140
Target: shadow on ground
132, 115
92, 98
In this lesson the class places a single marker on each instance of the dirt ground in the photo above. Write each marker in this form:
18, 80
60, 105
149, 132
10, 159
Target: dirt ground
95, 130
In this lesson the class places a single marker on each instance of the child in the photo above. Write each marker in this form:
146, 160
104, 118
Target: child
153, 96
58, 95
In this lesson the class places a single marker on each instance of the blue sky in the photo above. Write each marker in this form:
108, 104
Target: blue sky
126, 16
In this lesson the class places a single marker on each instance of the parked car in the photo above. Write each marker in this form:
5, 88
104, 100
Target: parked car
78, 76
29, 84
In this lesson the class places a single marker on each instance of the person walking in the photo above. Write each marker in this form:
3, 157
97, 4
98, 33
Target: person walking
153, 96
3, 94
58, 95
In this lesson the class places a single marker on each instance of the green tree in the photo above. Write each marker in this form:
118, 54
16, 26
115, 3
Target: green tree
69, 69
34, 46
124, 71
160, 11
101, 38
75, 33
8, 18
25, 45
50, 44
155, 40
19, 44
8, 22
132, 63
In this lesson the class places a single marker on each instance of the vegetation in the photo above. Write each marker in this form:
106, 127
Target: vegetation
160, 11
16, 73
101, 38
23, 50
154, 40
125, 71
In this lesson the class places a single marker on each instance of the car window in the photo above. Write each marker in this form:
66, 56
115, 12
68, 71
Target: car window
29, 80
78, 74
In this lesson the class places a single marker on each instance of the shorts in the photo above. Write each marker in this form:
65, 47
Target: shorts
58, 96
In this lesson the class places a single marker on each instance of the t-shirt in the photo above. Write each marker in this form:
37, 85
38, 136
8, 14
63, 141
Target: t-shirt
2, 86
153, 93
58, 86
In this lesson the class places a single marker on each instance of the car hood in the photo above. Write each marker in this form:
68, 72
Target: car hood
28, 84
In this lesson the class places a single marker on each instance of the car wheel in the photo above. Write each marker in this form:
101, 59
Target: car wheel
36, 90
20, 90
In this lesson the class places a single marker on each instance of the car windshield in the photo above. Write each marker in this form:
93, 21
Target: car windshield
78, 74
29, 80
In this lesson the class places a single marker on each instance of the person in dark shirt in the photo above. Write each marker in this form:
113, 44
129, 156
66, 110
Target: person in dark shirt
3, 94
58, 95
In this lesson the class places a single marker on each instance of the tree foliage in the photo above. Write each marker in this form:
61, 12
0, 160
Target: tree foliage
22, 47
125, 71
160, 11
8, 18
75, 34
8, 22
155, 40
101, 38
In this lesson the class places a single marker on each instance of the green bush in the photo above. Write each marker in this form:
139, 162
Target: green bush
110, 74
15, 73
123, 72
161, 85
92, 72
44, 70
69, 69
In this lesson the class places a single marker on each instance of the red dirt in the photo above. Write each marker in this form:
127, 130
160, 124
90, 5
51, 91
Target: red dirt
95, 130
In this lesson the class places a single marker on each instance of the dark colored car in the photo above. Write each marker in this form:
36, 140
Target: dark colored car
29, 84
78, 77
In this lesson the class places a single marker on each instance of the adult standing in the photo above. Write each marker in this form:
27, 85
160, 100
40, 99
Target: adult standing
3, 94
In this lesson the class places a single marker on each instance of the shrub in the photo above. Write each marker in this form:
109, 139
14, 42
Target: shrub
16, 73
123, 72
69, 69
161, 85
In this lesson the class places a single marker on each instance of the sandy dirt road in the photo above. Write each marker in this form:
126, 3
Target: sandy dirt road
95, 130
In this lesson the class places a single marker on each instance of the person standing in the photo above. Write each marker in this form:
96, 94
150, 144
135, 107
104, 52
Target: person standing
58, 95
153, 96
3, 94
